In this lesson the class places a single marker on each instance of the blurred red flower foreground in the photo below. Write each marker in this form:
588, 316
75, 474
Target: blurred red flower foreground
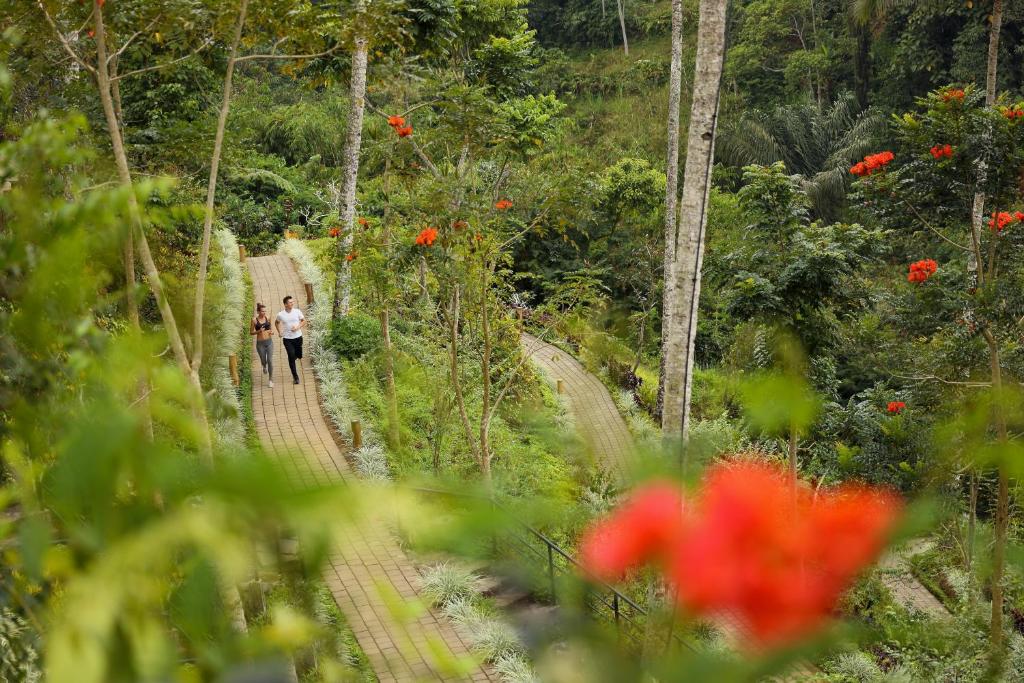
740, 548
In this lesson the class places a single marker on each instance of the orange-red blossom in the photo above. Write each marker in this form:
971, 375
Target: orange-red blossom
872, 163
426, 237
743, 546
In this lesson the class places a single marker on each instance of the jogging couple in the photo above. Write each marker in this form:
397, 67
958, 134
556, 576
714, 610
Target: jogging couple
288, 323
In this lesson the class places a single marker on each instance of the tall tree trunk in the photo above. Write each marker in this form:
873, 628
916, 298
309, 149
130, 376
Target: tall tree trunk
978, 208
139, 234
974, 264
685, 283
671, 186
130, 283
972, 523
353, 143
622, 25
485, 373
394, 434
211, 191
862, 64
1002, 503
453, 367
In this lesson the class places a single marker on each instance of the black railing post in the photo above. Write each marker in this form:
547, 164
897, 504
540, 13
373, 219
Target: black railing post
551, 571
615, 608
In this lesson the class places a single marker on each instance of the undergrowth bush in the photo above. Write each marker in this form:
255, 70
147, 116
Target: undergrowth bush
355, 335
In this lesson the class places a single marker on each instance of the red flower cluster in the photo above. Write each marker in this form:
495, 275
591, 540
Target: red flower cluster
872, 163
460, 225
426, 237
503, 204
334, 232
641, 529
954, 94
896, 406
351, 256
939, 151
1003, 218
398, 124
922, 270
478, 237
362, 221
745, 548
1014, 112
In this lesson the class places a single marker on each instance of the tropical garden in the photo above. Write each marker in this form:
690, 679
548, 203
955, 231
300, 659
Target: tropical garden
676, 340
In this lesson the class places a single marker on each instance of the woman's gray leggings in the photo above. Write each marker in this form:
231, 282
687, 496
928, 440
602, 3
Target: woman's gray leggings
265, 349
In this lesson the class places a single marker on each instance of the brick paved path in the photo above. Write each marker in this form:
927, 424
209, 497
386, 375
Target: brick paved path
369, 574
905, 587
597, 419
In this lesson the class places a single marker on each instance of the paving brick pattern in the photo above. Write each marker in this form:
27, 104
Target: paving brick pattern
597, 418
905, 587
369, 574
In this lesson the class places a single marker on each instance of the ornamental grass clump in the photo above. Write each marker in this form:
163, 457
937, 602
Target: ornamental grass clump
446, 582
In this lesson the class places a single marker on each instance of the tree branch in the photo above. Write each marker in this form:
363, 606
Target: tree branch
933, 229
933, 378
248, 58
64, 41
155, 67
131, 38
415, 148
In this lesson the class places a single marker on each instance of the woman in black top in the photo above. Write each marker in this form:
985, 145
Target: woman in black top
260, 326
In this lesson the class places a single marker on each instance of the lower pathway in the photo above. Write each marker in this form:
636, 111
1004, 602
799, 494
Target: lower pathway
898, 577
597, 418
369, 575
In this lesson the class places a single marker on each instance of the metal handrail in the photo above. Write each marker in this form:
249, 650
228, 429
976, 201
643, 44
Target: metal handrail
618, 600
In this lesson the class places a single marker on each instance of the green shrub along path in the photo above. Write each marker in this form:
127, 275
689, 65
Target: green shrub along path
368, 573
598, 421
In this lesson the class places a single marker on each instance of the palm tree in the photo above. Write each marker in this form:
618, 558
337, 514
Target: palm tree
818, 144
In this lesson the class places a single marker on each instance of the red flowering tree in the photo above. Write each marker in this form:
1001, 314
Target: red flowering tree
963, 297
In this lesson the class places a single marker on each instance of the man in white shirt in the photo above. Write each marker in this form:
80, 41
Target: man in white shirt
289, 324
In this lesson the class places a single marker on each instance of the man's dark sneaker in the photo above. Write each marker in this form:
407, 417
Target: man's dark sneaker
296, 380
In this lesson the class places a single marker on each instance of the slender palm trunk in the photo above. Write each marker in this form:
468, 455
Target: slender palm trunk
389, 377
453, 368
128, 261
622, 25
211, 191
353, 143
485, 371
689, 250
972, 523
862, 65
671, 186
1002, 503
139, 235
974, 266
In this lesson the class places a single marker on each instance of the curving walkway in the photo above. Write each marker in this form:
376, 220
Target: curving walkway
370, 577
597, 418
